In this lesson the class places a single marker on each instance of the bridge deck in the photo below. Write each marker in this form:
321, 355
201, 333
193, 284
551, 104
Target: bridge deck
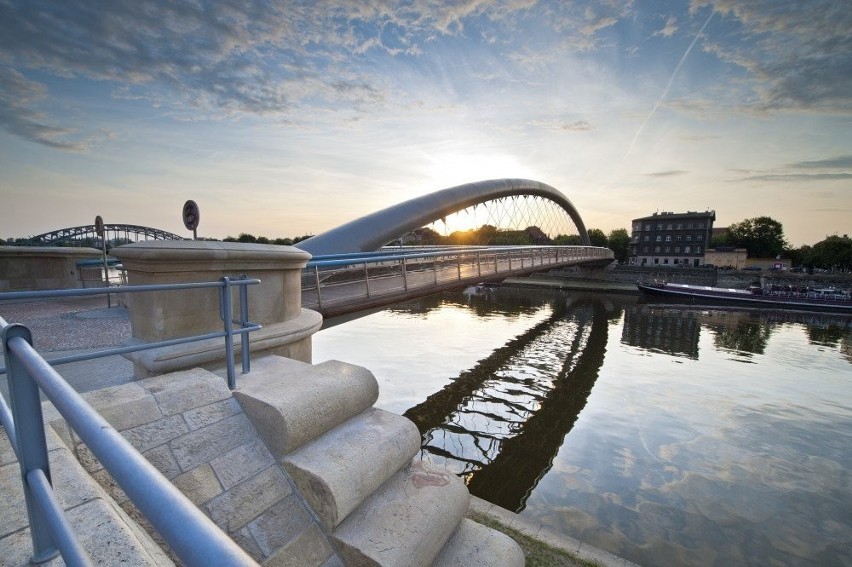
336, 287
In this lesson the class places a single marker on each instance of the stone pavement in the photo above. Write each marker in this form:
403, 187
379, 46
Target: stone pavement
165, 421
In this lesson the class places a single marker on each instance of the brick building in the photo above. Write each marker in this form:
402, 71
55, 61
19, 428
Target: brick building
671, 239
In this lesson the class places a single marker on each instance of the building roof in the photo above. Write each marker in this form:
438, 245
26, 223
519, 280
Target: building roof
674, 216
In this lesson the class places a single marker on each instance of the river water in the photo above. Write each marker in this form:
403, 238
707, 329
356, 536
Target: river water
665, 434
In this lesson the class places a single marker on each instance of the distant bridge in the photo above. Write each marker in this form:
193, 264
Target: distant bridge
87, 235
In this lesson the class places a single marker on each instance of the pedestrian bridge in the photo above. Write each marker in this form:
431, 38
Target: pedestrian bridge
339, 284
354, 268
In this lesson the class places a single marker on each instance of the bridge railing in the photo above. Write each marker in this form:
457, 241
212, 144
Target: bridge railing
351, 277
194, 537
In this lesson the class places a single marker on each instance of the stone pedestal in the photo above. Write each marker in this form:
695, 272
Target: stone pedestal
275, 303
31, 268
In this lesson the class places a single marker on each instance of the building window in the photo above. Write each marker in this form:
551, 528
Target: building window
647, 227
669, 226
680, 226
637, 227
667, 249
689, 226
647, 238
668, 238
678, 237
666, 261
698, 249
689, 238
659, 226
687, 250
645, 249
659, 238
656, 249
677, 249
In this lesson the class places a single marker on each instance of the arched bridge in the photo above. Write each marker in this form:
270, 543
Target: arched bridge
353, 268
371, 232
115, 235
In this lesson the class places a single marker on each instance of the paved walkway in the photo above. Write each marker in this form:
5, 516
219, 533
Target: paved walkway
73, 325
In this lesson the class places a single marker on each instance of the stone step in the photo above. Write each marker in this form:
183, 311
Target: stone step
340, 469
292, 402
475, 545
406, 521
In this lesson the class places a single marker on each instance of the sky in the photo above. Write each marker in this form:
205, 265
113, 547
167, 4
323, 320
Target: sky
289, 118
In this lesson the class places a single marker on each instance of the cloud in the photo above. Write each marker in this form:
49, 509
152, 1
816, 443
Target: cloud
783, 177
17, 95
670, 173
557, 125
669, 29
798, 54
836, 162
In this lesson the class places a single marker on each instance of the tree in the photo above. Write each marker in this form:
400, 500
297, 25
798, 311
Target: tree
568, 240
597, 237
835, 253
619, 243
763, 237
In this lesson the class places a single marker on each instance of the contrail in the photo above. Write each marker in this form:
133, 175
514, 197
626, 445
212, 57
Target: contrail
668, 86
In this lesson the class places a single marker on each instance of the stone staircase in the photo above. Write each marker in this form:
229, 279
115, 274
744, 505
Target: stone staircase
355, 467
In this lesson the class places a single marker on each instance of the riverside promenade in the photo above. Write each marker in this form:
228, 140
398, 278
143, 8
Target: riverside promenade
69, 326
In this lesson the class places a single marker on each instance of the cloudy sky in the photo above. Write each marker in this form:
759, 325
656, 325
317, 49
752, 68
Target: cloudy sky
285, 118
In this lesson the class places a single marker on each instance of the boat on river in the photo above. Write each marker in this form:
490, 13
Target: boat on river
783, 297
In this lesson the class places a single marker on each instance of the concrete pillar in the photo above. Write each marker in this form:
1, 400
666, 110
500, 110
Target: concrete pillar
30, 268
276, 303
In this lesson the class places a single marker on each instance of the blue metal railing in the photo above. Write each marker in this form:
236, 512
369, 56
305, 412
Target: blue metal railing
194, 537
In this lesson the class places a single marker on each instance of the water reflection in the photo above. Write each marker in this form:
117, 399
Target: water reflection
662, 329
658, 445
501, 423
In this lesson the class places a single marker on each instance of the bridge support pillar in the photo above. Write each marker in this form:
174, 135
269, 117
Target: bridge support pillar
275, 303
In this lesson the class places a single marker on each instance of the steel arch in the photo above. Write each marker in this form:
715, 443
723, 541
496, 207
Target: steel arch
76, 233
373, 231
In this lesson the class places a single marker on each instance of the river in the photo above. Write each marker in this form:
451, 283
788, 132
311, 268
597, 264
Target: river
668, 435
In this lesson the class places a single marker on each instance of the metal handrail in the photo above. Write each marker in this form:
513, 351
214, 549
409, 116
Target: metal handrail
224, 285
194, 537
320, 272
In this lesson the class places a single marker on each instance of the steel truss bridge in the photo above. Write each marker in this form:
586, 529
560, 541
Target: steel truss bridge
114, 234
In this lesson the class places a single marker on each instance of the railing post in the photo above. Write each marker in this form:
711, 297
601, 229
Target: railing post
478, 264
319, 295
367, 279
226, 312
435, 268
404, 275
32, 448
244, 320
458, 264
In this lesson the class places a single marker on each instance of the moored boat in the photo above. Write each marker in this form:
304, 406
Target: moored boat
825, 299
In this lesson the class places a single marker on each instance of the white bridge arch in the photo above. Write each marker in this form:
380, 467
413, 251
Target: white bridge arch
371, 232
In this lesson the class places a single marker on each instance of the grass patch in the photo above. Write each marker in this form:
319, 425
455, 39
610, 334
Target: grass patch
537, 553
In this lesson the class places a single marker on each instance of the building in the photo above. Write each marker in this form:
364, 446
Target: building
727, 257
671, 239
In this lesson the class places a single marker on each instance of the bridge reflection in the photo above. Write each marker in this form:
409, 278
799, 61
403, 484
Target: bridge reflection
501, 423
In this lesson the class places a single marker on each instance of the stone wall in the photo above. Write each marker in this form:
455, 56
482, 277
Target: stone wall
32, 268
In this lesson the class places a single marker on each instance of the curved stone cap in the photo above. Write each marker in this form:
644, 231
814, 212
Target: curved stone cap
210, 253
49, 251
